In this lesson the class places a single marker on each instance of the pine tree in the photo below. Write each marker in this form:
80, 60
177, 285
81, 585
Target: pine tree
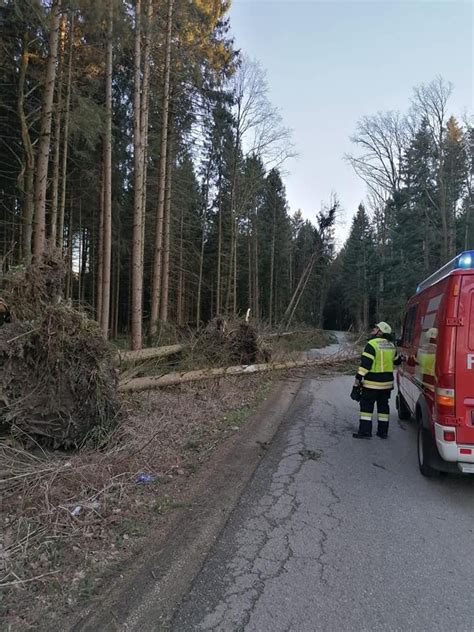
358, 270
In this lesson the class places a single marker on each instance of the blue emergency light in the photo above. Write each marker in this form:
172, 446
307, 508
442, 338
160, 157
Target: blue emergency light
463, 261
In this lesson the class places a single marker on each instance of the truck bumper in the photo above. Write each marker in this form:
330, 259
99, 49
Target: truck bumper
466, 468
450, 451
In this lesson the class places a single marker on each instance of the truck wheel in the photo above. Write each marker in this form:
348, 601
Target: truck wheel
425, 450
404, 413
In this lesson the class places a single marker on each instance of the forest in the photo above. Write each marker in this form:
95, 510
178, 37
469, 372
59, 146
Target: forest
137, 139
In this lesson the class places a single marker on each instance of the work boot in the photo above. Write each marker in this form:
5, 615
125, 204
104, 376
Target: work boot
365, 430
382, 429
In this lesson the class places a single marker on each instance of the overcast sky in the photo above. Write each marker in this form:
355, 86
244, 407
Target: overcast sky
330, 63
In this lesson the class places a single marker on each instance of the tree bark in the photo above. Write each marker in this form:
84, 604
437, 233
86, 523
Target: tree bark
256, 271
180, 297
201, 252
100, 247
84, 262
53, 224
69, 248
167, 233
141, 113
150, 353
117, 293
158, 250
107, 239
28, 188
145, 110
67, 111
272, 269
137, 246
249, 269
232, 276
219, 250
45, 136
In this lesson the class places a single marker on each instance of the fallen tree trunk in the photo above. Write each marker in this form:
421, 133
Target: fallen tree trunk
283, 334
171, 379
149, 354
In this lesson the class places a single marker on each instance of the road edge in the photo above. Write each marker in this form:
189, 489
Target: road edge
154, 587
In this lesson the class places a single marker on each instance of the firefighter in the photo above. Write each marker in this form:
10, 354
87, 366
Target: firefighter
374, 381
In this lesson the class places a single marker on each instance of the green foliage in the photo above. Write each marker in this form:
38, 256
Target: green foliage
420, 221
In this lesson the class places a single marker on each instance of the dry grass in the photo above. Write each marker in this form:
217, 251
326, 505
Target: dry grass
52, 554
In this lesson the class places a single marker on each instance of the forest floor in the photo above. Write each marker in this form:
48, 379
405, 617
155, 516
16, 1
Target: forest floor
71, 522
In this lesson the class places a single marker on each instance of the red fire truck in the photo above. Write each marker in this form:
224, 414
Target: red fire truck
436, 378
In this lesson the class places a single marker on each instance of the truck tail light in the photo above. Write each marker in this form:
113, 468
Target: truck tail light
445, 397
449, 435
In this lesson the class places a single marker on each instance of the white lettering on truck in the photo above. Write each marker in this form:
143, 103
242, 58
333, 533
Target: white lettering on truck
470, 360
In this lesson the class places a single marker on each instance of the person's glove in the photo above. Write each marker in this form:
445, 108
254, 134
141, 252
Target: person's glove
356, 392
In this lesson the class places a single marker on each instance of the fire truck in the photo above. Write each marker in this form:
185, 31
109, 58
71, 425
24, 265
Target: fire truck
435, 382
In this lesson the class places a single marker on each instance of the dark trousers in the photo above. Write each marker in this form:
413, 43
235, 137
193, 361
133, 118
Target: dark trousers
369, 398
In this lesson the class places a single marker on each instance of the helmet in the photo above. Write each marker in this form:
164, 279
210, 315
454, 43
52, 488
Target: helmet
384, 327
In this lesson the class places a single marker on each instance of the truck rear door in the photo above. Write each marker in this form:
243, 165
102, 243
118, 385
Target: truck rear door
464, 380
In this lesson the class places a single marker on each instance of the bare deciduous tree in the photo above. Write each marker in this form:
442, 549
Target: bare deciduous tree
430, 104
382, 139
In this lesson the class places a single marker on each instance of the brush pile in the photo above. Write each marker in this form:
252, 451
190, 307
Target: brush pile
57, 382
222, 343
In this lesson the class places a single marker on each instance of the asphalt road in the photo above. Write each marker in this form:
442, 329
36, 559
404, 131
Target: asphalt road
338, 534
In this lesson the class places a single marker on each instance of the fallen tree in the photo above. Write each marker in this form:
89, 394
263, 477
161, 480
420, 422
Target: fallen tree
150, 353
154, 353
172, 379
57, 379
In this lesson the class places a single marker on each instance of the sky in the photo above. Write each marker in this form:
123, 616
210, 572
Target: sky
329, 63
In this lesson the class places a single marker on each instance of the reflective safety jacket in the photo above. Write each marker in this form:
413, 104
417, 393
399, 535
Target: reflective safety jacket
376, 364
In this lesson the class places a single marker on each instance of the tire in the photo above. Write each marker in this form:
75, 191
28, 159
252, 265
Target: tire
404, 413
425, 451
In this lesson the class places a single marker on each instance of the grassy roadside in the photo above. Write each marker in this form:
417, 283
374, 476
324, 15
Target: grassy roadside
71, 521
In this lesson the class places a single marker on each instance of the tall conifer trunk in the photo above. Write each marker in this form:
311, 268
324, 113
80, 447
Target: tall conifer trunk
53, 224
67, 111
167, 233
107, 239
29, 166
138, 148
158, 250
45, 135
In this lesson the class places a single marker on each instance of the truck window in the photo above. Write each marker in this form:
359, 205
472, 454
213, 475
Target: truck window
409, 326
430, 319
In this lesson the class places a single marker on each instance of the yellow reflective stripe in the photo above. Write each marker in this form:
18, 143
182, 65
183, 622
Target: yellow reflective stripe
383, 416
362, 371
368, 355
381, 386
